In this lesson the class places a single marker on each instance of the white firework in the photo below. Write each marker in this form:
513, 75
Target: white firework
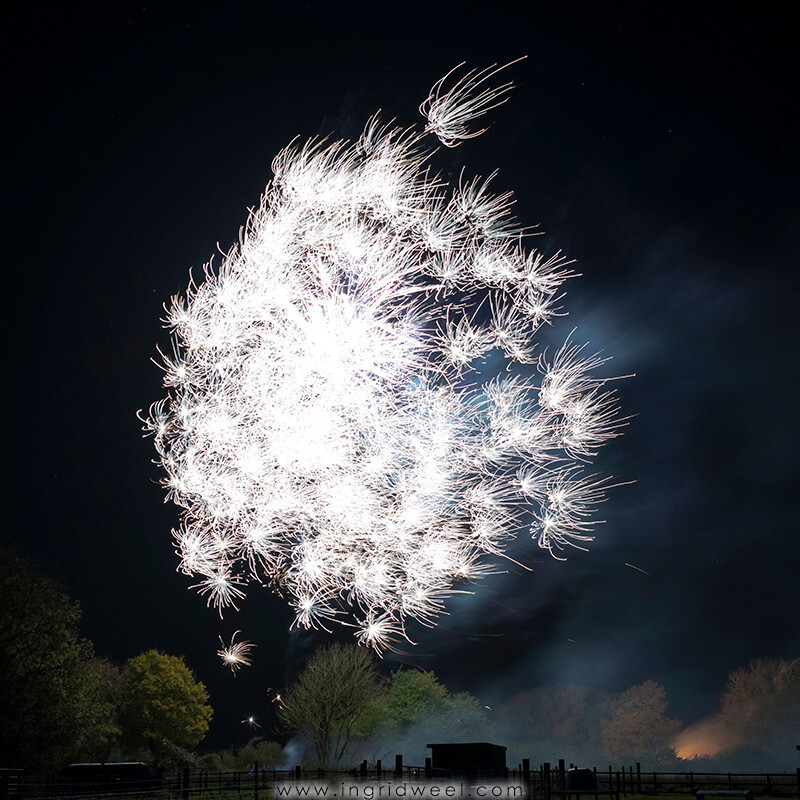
237, 654
319, 429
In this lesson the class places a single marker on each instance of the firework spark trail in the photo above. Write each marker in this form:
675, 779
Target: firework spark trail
319, 429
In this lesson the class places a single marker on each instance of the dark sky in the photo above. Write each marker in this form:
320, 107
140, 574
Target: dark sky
657, 147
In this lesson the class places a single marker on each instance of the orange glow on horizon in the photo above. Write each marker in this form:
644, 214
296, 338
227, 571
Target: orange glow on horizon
706, 738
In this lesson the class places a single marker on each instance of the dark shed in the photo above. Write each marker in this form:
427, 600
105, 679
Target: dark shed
470, 759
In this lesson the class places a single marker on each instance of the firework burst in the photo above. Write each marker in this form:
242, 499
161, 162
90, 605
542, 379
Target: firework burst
237, 654
320, 429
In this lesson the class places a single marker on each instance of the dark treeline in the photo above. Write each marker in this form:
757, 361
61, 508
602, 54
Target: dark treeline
59, 703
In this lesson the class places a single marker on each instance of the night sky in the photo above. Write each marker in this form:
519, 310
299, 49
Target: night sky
657, 148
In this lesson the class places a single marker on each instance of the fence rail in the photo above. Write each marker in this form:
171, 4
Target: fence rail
635, 781
547, 782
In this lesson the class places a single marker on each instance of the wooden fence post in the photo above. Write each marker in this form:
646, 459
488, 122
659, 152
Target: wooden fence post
546, 779
255, 780
398, 768
526, 778
638, 778
378, 770
185, 784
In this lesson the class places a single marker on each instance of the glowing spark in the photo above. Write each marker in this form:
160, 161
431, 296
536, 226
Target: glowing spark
633, 566
251, 721
318, 430
237, 654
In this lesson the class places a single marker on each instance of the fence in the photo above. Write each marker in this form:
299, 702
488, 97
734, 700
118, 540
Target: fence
548, 782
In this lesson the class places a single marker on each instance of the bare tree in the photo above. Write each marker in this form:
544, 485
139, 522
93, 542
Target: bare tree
333, 700
639, 725
761, 710
749, 687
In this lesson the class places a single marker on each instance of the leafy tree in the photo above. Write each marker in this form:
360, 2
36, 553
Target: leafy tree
163, 706
53, 702
417, 709
639, 728
332, 702
412, 694
463, 719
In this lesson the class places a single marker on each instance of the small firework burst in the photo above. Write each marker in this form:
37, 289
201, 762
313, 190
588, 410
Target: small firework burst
237, 654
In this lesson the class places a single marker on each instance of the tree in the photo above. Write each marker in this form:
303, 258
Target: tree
417, 709
333, 700
639, 728
268, 754
553, 721
760, 711
749, 687
103, 741
412, 694
163, 705
463, 719
53, 703
788, 677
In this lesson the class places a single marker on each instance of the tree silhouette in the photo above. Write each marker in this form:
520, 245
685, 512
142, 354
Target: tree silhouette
53, 703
